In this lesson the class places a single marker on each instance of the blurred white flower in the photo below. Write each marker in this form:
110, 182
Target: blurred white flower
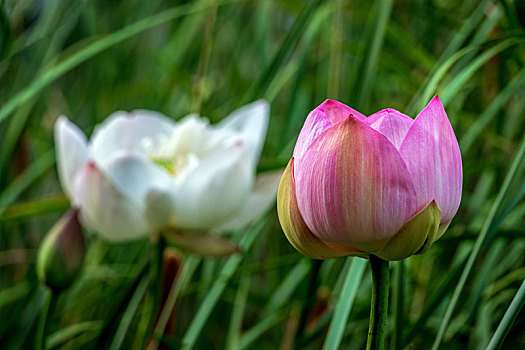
142, 172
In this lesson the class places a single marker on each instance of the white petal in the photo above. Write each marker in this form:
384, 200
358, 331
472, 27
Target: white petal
105, 209
215, 189
259, 201
147, 185
134, 177
252, 122
123, 131
72, 151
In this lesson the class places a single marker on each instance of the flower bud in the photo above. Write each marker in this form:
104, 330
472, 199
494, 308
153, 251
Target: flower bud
386, 184
61, 253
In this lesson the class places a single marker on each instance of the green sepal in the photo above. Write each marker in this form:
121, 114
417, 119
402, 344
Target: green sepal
415, 237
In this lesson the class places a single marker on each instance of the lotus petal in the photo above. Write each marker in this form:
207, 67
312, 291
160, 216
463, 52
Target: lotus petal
323, 117
432, 154
72, 152
353, 186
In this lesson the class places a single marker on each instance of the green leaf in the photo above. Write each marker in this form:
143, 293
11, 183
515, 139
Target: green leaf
205, 309
508, 319
344, 303
509, 179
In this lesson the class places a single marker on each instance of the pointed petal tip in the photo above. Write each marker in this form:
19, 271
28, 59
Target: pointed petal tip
61, 120
328, 104
435, 102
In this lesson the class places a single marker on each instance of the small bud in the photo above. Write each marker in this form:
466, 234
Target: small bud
61, 253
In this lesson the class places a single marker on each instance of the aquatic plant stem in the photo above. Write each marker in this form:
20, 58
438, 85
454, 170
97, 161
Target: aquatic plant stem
47, 306
379, 307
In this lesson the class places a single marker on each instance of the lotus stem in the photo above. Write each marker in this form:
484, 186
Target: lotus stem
379, 307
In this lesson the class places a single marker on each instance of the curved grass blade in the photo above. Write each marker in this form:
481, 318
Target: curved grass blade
509, 179
467, 72
70, 332
235, 329
22, 182
508, 319
129, 313
367, 67
459, 80
180, 282
94, 48
468, 26
209, 302
34, 208
289, 284
284, 52
344, 304
490, 112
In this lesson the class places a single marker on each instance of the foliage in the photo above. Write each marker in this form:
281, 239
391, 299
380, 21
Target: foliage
87, 59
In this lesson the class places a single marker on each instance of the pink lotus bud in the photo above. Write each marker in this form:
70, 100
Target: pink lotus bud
385, 184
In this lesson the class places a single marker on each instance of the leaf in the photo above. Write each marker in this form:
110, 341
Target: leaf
205, 244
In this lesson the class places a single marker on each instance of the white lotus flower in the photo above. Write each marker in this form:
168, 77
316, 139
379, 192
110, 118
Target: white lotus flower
141, 172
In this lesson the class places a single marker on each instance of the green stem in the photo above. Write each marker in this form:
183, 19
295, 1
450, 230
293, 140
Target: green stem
40, 339
379, 308
398, 306
155, 284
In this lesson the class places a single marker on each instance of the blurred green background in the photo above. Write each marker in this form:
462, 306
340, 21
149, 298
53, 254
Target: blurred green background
86, 59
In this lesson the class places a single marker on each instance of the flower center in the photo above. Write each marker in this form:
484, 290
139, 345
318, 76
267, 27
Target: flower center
190, 141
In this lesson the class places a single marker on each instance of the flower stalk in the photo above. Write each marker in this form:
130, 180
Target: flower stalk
379, 307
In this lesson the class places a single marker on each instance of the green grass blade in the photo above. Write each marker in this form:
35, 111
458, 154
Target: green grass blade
344, 304
508, 319
459, 80
369, 59
94, 48
64, 335
23, 181
34, 208
239, 305
491, 111
398, 308
284, 52
289, 284
432, 85
466, 29
250, 336
205, 309
509, 179
435, 300
129, 313
180, 282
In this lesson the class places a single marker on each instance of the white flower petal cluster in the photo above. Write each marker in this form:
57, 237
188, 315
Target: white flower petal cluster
142, 171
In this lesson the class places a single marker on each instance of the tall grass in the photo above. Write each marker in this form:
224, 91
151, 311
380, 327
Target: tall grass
86, 59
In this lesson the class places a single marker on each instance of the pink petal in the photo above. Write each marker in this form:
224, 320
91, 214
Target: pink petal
391, 123
431, 152
323, 117
353, 186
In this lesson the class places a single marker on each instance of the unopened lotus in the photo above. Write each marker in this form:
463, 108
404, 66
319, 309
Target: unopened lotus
143, 172
386, 184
